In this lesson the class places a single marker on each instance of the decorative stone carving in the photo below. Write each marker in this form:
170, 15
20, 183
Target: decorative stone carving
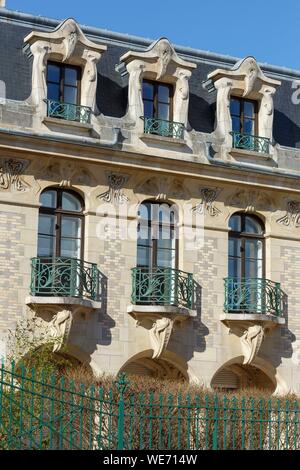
65, 174
114, 194
163, 188
66, 43
208, 197
251, 342
158, 62
11, 178
292, 216
160, 334
244, 79
251, 201
60, 328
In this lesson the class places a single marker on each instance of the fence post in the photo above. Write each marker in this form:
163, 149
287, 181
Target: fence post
121, 386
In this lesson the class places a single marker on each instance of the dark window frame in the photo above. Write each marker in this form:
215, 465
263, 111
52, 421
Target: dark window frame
243, 236
155, 100
241, 116
58, 212
153, 246
62, 68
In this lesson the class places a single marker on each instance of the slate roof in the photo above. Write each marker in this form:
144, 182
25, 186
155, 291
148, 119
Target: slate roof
15, 71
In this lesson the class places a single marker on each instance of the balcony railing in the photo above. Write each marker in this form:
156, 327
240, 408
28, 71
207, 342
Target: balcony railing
64, 277
68, 111
253, 143
162, 286
256, 296
163, 128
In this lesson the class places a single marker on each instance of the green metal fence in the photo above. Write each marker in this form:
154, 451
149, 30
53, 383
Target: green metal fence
162, 286
163, 128
50, 413
68, 111
250, 142
257, 295
64, 277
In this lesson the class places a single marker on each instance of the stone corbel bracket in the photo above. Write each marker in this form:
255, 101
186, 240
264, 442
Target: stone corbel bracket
66, 43
158, 62
252, 330
58, 314
245, 79
160, 322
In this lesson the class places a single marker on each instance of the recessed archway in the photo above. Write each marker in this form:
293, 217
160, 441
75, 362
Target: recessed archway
168, 367
234, 375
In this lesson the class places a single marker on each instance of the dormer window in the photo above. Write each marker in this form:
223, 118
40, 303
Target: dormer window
244, 116
63, 93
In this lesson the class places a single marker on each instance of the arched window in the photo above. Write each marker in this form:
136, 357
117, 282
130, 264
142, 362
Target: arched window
157, 235
246, 247
61, 224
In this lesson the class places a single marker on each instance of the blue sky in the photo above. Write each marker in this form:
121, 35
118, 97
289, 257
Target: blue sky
269, 30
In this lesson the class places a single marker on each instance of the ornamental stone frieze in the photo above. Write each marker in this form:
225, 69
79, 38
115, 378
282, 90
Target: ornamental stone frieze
12, 175
245, 79
158, 62
292, 216
64, 173
207, 203
163, 188
68, 44
251, 201
115, 192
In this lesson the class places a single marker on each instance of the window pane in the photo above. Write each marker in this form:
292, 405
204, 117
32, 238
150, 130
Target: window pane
253, 268
53, 73
163, 111
163, 94
70, 248
47, 224
70, 95
236, 124
166, 258
234, 247
234, 267
235, 108
48, 199
249, 126
71, 75
53, 92
147, 91
144, 211
46, 246
253, 249
143, 256
70, 202
70, 227
235, 223
143, 232
252, 225
248, 109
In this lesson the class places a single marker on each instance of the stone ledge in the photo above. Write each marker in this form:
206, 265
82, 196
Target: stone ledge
36, 300
252, 317
250, 153
162, 310
163, 140
65, 126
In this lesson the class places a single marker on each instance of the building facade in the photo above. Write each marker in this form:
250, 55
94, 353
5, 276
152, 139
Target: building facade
150, 206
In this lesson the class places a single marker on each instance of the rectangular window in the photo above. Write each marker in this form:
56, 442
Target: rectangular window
244, 116
63, 83
158, 100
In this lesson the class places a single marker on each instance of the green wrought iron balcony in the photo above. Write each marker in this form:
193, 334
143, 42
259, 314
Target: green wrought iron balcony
64, 277
68, 111
256, 296
250, 142
162, 286
163, 128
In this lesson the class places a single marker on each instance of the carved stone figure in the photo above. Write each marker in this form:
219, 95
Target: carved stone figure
292, 216
11, 178
208, 195
251, 342
160, 334
115, 192
60, 328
